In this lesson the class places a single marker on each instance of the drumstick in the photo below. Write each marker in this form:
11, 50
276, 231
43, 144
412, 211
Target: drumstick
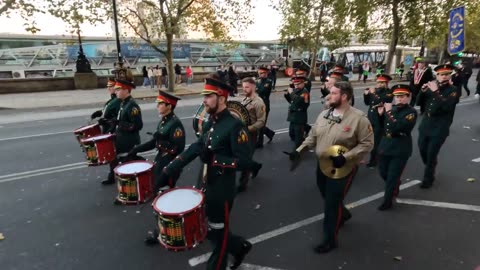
204, 177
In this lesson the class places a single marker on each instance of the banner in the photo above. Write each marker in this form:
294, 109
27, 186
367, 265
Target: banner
109, 49
456, 31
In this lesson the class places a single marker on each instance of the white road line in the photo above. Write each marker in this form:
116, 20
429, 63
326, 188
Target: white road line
42, 170
476, 160
42, 173
466, 207
246, 266
285, 229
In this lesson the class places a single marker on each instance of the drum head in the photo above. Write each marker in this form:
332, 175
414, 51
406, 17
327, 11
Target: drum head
98, 138
178, 201
133, 167
80, 129
239, 111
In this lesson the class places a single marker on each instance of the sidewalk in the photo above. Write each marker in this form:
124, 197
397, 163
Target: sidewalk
99, 96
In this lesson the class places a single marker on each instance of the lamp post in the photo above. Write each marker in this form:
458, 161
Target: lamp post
82, 64
120, 70
422, 49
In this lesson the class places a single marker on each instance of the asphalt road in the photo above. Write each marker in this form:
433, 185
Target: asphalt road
54, 213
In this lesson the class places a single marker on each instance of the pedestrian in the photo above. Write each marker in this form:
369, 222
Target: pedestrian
165, 74
375, 99
344, 126
151, 77
233, 80
189, 75
360, 70
273, 73
299, 99
178, 74
401, 69
224, 148
477, 93
146, 81
366, 71
110, 110
264, 89
466, 73
440, 99
158, 76
395, 148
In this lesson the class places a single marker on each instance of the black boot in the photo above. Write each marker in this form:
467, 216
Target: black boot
238, 258
152, 238
345, 217
270, 133
110, 180
324, 248
385, 206
256, 168
426, 184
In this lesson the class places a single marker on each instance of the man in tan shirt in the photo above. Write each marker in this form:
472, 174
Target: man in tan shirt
343, 125
257, 111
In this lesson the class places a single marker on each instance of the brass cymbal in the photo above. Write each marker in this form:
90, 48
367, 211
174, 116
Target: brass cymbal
326, 164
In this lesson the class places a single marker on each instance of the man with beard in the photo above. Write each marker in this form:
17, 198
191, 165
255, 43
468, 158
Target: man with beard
126, 126
110, 109
375, 98
299, 99
421, 75
257, 113
395, 147
224, 148
440, 99
340, 125
264, 89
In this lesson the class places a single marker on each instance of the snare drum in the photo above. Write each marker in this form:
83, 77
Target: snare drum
134, 182
99, 150
181, 217
87, 132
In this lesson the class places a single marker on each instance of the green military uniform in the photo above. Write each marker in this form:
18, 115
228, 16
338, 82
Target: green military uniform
126, 128
435, 126
264, 89
373, 101
169, 139
299, 101
109, 113
395, 147
419, 78
224, 147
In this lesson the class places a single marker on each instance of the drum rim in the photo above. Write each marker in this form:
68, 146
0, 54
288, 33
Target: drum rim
133, 161
202, 202
85, 127
93, 138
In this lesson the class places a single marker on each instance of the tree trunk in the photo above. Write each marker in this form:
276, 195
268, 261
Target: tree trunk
171, 70
394, 38
313, 64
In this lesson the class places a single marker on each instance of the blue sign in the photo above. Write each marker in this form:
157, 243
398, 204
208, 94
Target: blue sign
456, 31
145, 50
408, 60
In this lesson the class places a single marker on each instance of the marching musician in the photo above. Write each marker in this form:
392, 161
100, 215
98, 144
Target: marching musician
440, 99
224, 148
302, 71
375, 98
169, 139
299, 99
344, 126
257, 113
264, 89
126, 126
341, 69
395, 147
333, 77
421, 75
110, 109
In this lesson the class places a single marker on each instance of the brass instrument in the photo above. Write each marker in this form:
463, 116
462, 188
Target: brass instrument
326, 164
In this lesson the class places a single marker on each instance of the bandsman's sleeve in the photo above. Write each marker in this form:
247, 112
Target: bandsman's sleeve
261, 115
422, 97
134, 122
112, 109
401, 125
364, 134
389, 97
241, 151
441, 104
176, 139
146, 146
366, 99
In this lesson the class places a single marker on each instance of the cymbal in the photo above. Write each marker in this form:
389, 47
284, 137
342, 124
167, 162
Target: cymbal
326, 164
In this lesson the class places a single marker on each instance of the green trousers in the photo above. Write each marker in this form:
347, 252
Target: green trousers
391, 169
377, 137
429, 147
333, 192
297, 133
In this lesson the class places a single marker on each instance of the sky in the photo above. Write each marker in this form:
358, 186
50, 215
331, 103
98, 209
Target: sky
265, 27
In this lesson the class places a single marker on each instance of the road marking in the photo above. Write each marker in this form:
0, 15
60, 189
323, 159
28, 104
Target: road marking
41, 170
246, 266
467, 207
476, 160
302, 223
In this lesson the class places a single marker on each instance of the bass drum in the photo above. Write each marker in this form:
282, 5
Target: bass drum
236, 109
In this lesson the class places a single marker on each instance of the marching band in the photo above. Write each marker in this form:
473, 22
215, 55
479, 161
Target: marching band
229, 131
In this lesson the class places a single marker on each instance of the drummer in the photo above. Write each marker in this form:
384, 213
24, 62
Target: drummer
126, 126
169, 139
110, 109
342, 125
224, 148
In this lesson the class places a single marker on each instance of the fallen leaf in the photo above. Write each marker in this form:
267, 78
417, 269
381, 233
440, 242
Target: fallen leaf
475, 140
466, 127
398, 258
471, 179
257, 207
1, 236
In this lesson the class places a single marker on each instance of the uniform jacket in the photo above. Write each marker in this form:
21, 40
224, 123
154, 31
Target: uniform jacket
256, 110
129, 124
299, 101
399, 123
373, 100
264, 89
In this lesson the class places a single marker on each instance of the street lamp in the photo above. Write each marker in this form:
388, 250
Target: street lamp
120, 70
422, 49
82, 64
